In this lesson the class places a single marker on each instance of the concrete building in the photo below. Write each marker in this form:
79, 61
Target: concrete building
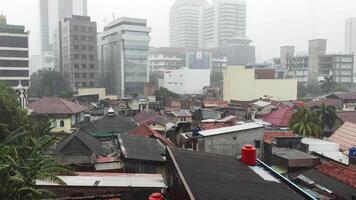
287, 52
76, 52
184, 23
350, 38
241, 84
13, 54
51, 12
186, 81
220, 20
317, 48
338, 66
123, 56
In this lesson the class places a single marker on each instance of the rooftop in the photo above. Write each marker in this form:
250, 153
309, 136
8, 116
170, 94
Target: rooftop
280, 117
337, 103
236, 128
144, 116
55, 105
345, 136
270, 135
291, 154
347, 116
144, 130
108, 125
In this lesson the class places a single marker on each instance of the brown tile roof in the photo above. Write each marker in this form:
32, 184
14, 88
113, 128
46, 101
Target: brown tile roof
269, 135
280, 117
339, 172
208, 103
55, 105
145, 116
337, 103
145, 130
347, 116
345, 136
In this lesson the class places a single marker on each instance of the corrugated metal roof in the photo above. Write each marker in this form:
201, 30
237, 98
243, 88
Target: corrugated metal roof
345, 136
240, 127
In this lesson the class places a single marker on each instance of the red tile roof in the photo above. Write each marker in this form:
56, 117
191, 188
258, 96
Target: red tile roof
339, 172
269, 135
208, 103
280, 117
347, 116
145, 130
345, 136
145, 116
55, 105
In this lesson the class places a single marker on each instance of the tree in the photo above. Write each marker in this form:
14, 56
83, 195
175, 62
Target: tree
305, 123
164, 94
328, 84
326, 115
48, 83
23, 144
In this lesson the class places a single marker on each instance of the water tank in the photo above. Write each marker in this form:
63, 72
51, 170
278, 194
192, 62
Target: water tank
156, 196
248, 155
352, 152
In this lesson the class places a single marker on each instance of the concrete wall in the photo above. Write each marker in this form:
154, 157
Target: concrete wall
67, 125
231, 143
240, 84
89, 91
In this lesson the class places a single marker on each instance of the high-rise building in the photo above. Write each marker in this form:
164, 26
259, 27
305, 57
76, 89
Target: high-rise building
13, 54
317, 48
350, 39
220, 21
123, 56
75, 51
51, 12
184, 23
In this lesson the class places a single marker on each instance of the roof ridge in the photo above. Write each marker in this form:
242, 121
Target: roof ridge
62, 101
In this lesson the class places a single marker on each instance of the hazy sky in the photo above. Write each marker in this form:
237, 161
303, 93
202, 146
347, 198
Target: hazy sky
270, 23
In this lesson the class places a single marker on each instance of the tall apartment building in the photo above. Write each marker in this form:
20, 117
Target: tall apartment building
51, 12
13, 54
76, 51
220, 21
184, 23
123, 56
317, 48
350, 38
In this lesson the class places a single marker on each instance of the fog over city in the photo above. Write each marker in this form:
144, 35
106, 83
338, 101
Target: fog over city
270, 23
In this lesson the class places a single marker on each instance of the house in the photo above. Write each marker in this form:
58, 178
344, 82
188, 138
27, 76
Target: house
262, 107
182, 115
228, 140
346, 116
155, 121
127, 186
214, 103
348, 99
145, 130
145, 116
220, 123
142, 155
329, 181
280, 117
173, 105
201, 176
345, 136
336, 103
65, 115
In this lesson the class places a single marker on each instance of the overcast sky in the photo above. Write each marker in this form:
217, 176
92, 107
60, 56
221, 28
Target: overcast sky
270, 23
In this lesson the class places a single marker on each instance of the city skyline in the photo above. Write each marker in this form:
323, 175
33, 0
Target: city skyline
284, 22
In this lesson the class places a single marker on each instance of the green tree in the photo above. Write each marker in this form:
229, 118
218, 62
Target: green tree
164, 94
305, 122
23, 144
326, 115
328, 85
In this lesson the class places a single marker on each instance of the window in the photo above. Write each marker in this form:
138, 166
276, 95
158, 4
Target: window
83, 56
91, 47
83, 38
83, 28
75, 37
76, 75
85, 84
75, 56
76, 66
84, 75
77, 84
61, 123
75, 28
91, 75
83, 47
90, 38
257, 144
91, 84
84, 66
76, 47
91, 66
91, 57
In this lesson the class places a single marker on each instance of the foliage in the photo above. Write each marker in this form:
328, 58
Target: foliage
326, 115
48, 83
23, 145
305, 122
314, 90
164, 94
340, 88
328, 84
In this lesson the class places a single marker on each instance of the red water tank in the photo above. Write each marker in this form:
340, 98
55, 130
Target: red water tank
248, 155
156, 196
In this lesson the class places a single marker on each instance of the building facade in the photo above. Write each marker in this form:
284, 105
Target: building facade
350, 38
76, 52
184, 23
220, 21
241, 84
14, 60
123, 56
186, 81
338, 66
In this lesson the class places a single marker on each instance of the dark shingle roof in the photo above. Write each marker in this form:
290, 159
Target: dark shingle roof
145, 116
347, 116
141, 148
55, 105
218, 177
114, 124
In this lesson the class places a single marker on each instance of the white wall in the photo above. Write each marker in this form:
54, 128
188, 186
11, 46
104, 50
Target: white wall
187, 81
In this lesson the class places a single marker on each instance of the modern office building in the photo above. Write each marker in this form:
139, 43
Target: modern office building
123, 56
220, 21
350, 39
51, 12
13, 54
76, 51
184, 23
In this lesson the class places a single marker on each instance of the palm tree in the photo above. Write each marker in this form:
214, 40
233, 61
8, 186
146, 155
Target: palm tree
327, 116
328, 85
305, 123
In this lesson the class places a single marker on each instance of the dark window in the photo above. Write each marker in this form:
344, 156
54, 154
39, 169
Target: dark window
12, 53
83, 37
76, 66
14, 73
91, 84
90, 38
84, 66
91, 47
84, 47
76, 56
76, 75
257, 144
11, 41
83, 28
83, 56
85, 84
91, 75
91, 66
76, 47
91, 57
77, 84
61, 123
13, 63
84, 75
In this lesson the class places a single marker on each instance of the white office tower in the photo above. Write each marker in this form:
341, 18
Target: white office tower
184, 23
220, 21
350, 39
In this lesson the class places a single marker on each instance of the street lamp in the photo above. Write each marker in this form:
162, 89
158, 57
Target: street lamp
22, 95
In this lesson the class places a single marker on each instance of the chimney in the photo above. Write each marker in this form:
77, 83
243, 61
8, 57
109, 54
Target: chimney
248, 155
